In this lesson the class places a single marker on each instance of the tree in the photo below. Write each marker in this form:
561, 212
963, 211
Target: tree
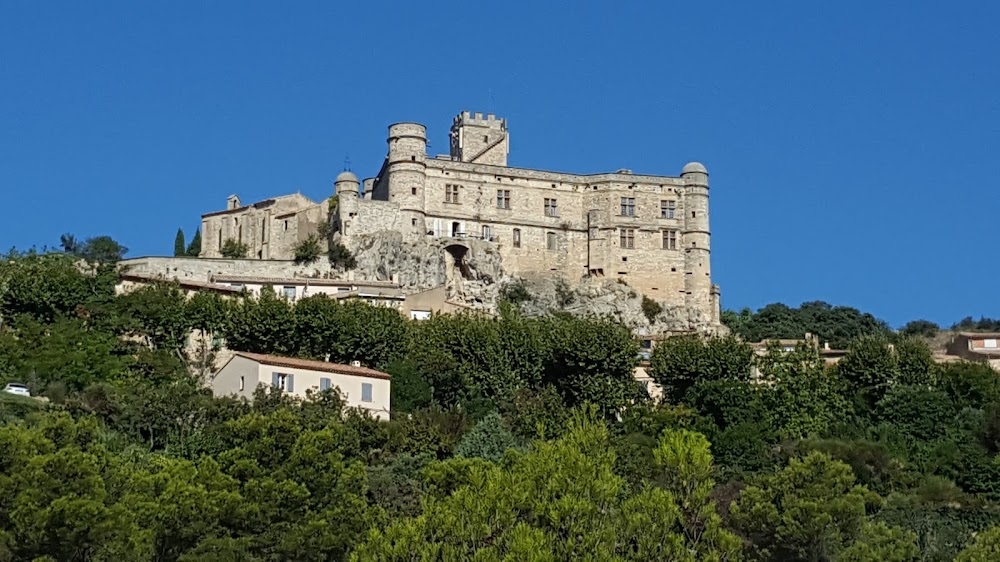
811, 510
102, 249
233, 249
986, 548
650, 308
869, 367
179, 249
921, 328
488, 439
340, 257
194, 248
678, 362
307, 251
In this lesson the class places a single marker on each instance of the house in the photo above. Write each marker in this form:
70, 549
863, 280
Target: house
361, 387
976, 346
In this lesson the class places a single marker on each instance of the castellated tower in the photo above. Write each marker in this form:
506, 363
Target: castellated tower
696, 241
478, 139
407, 174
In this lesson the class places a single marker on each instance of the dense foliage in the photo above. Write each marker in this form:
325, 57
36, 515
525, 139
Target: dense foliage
511, 438
836, 325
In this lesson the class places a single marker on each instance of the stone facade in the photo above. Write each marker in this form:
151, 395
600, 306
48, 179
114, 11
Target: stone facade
271, 228
469, 221
651, 232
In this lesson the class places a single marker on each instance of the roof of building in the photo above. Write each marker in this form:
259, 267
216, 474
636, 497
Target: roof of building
983, 335
694, 167
183, 283
346, 175
258, 204
301, 281
312, 365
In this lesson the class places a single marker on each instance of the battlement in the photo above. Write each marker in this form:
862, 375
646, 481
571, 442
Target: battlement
479, 120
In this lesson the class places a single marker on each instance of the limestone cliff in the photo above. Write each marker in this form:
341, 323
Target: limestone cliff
473, 273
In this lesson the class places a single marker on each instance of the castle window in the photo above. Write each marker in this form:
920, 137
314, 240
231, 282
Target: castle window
669, 239
286, 225
628, 206
486, 232
626, 238
693, 214
413, 191
550, 240
667, 207
517, 237
503, 199
486, 138
450, 193
550, 208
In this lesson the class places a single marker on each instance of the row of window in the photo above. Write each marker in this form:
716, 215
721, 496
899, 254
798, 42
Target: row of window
626, 239
668, 207
286, 382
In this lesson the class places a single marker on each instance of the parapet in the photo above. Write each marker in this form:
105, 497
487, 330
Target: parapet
479, 120
413, 130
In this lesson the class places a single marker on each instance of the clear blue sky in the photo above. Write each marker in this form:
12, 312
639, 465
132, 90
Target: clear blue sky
853, 147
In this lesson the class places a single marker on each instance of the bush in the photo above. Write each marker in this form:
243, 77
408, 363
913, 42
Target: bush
516, 293
340, 257
233, 249
924, 328
651, 308
307, 251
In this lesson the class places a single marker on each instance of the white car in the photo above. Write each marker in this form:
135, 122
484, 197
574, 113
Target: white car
17, 388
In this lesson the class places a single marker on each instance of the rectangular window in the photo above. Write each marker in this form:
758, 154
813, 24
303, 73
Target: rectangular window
550, 240
503, 199
324, 383
242, 382
366, 392
667, 207
288, 293
517, 237
628, 206
991, 344
486, 233
450, 193
669, 239
627, 238
550, 208
282, 381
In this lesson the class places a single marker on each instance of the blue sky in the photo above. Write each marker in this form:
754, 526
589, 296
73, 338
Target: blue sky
853, 147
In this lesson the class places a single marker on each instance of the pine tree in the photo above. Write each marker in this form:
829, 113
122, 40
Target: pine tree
194, 248
179, 243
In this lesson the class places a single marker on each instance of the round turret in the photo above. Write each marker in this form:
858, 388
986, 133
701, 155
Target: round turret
694, 167
346, 183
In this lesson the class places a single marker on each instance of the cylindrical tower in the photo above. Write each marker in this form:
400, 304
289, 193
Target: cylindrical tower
696, 239
346, 184
407, 173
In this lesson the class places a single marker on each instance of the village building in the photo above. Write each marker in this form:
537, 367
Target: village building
361, 387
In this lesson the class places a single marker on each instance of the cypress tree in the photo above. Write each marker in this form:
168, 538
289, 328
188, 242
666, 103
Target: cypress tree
194, 248
179, 243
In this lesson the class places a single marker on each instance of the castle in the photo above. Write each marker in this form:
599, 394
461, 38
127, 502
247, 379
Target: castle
650, 232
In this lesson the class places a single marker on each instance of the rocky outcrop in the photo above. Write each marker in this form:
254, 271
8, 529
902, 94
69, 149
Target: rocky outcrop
472, 271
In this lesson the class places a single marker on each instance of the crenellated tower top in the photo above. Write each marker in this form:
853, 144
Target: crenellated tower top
480, 139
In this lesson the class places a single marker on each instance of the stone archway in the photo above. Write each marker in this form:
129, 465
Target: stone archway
457, 269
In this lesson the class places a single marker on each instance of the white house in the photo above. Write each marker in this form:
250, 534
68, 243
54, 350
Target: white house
361, 387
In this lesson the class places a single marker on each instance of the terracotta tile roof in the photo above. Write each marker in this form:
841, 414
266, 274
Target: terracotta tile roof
187, 284
982, 335
300, 281
309, 364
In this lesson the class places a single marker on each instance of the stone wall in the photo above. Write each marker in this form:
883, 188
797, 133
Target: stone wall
271, 229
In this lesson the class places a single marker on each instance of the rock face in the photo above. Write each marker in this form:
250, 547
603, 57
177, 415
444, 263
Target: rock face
472, 272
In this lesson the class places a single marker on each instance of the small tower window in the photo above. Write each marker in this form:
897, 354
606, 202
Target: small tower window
413, 191
486, 138
517, 237
693, 214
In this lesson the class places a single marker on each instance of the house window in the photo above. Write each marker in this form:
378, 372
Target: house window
626, 238
324, 384
503, 199
242, 383
486, 232
628, 206
517, 237
990, 343
667, 208
450, 193
669, 239
282, 381
550, 208
366, 392
288, 293
550, 240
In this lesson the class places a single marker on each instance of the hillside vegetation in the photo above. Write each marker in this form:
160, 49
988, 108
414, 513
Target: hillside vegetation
511, 438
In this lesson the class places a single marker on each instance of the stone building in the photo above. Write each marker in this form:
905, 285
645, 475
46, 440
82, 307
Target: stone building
648, 231
271, 229
652, 232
